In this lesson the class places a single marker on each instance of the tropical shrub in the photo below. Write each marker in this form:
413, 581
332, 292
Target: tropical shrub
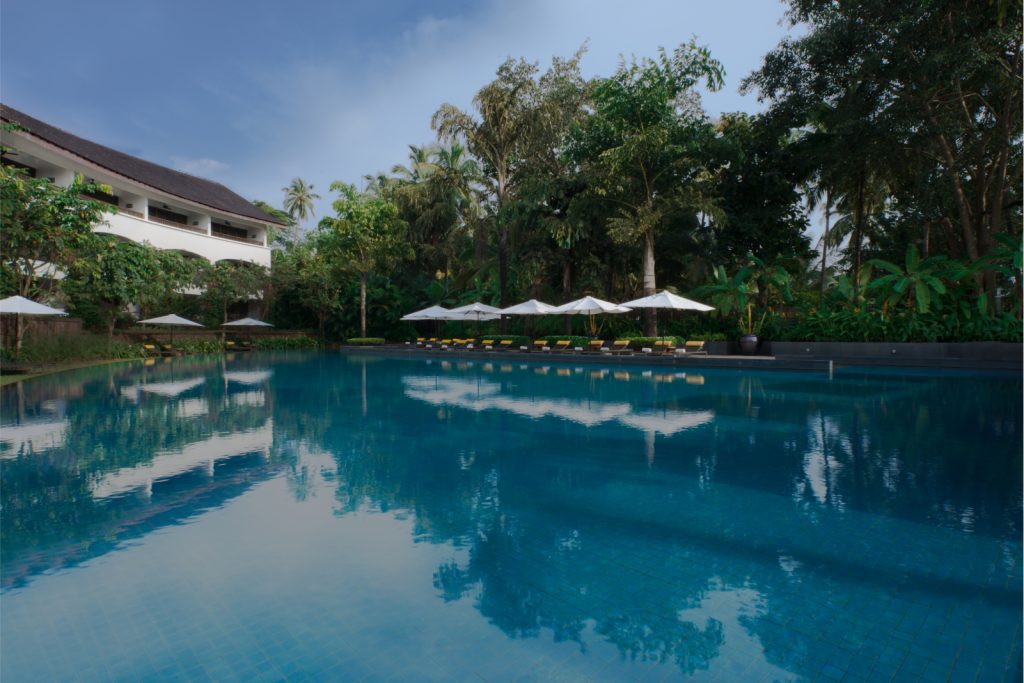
365, 341
71, 348
284, 343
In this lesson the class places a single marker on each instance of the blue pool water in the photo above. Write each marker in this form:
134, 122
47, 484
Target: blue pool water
330, 517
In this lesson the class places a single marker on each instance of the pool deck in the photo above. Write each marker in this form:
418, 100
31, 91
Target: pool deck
804, 363
689, 361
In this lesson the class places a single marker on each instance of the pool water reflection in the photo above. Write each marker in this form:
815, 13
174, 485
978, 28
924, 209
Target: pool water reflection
304, 516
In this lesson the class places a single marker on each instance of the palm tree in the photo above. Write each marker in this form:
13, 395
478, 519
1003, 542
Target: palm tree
502, 124
420, 164
298, 200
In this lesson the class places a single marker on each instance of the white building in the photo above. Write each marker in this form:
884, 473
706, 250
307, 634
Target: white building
166, 208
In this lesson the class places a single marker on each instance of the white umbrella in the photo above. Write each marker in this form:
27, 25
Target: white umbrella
666, 299
588, 305
474, 311
431, 313
19, 306
531, 307
247, 322
171, 319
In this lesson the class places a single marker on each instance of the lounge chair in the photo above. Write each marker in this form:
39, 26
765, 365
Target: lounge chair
563, 346
618, 346
664, 347
420, 341
692, 347
594, 346
505, 344
541, 345
487, 344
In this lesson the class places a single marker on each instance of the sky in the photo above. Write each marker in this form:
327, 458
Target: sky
254, 94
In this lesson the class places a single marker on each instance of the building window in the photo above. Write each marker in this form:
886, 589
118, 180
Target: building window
165, 216
229, 231
102, 196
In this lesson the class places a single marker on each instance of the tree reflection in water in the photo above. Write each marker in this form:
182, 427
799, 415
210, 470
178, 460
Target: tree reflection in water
677, 516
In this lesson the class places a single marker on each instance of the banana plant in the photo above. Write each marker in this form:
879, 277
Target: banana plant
919, 280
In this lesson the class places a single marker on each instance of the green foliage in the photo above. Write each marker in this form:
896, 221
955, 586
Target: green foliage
365, 341
284, 343
298, 200
71, 348
648, 342
916, 120
919, 281
368, 235
225, 283
757, 285
108, 274
645, 149
198, 346
848, 325
43, 223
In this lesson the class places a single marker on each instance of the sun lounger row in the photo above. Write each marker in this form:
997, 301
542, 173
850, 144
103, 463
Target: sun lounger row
661, 347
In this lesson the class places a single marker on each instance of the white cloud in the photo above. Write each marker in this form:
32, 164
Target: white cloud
203, 168
342, 120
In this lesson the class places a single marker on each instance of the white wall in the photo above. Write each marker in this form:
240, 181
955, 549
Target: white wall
211, 248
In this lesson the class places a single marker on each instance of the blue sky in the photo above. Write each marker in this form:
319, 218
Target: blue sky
253, 94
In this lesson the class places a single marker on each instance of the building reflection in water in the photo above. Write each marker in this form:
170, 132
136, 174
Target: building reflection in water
695, 521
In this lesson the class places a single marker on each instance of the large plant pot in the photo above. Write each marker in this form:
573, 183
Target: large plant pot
748, 344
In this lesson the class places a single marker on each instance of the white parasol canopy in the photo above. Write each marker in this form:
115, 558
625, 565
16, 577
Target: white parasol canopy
666, 299
431, 313
474, 311
531, 307
246, 322
588, 305
171, 319
19, 305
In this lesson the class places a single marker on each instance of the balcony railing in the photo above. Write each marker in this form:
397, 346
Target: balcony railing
236, 238
132, 212
175, 224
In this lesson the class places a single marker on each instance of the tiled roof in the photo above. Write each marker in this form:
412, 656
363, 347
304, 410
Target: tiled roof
183, 185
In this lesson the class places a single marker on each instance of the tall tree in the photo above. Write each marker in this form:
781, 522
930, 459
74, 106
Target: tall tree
43, 227
645, 146
939, 81
110, 273
504, 121
298, 200
370, 236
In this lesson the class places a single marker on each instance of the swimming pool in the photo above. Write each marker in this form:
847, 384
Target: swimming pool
303, 516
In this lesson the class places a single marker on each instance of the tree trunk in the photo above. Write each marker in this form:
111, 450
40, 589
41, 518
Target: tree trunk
503, 273
110, 334
858, 232
649, 315
567, 286
362, 304
480, 243
824, 245
19, 330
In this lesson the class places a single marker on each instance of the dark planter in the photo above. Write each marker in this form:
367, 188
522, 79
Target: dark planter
748, 344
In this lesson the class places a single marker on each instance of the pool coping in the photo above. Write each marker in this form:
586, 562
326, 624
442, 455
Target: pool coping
804, 363
693, 361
